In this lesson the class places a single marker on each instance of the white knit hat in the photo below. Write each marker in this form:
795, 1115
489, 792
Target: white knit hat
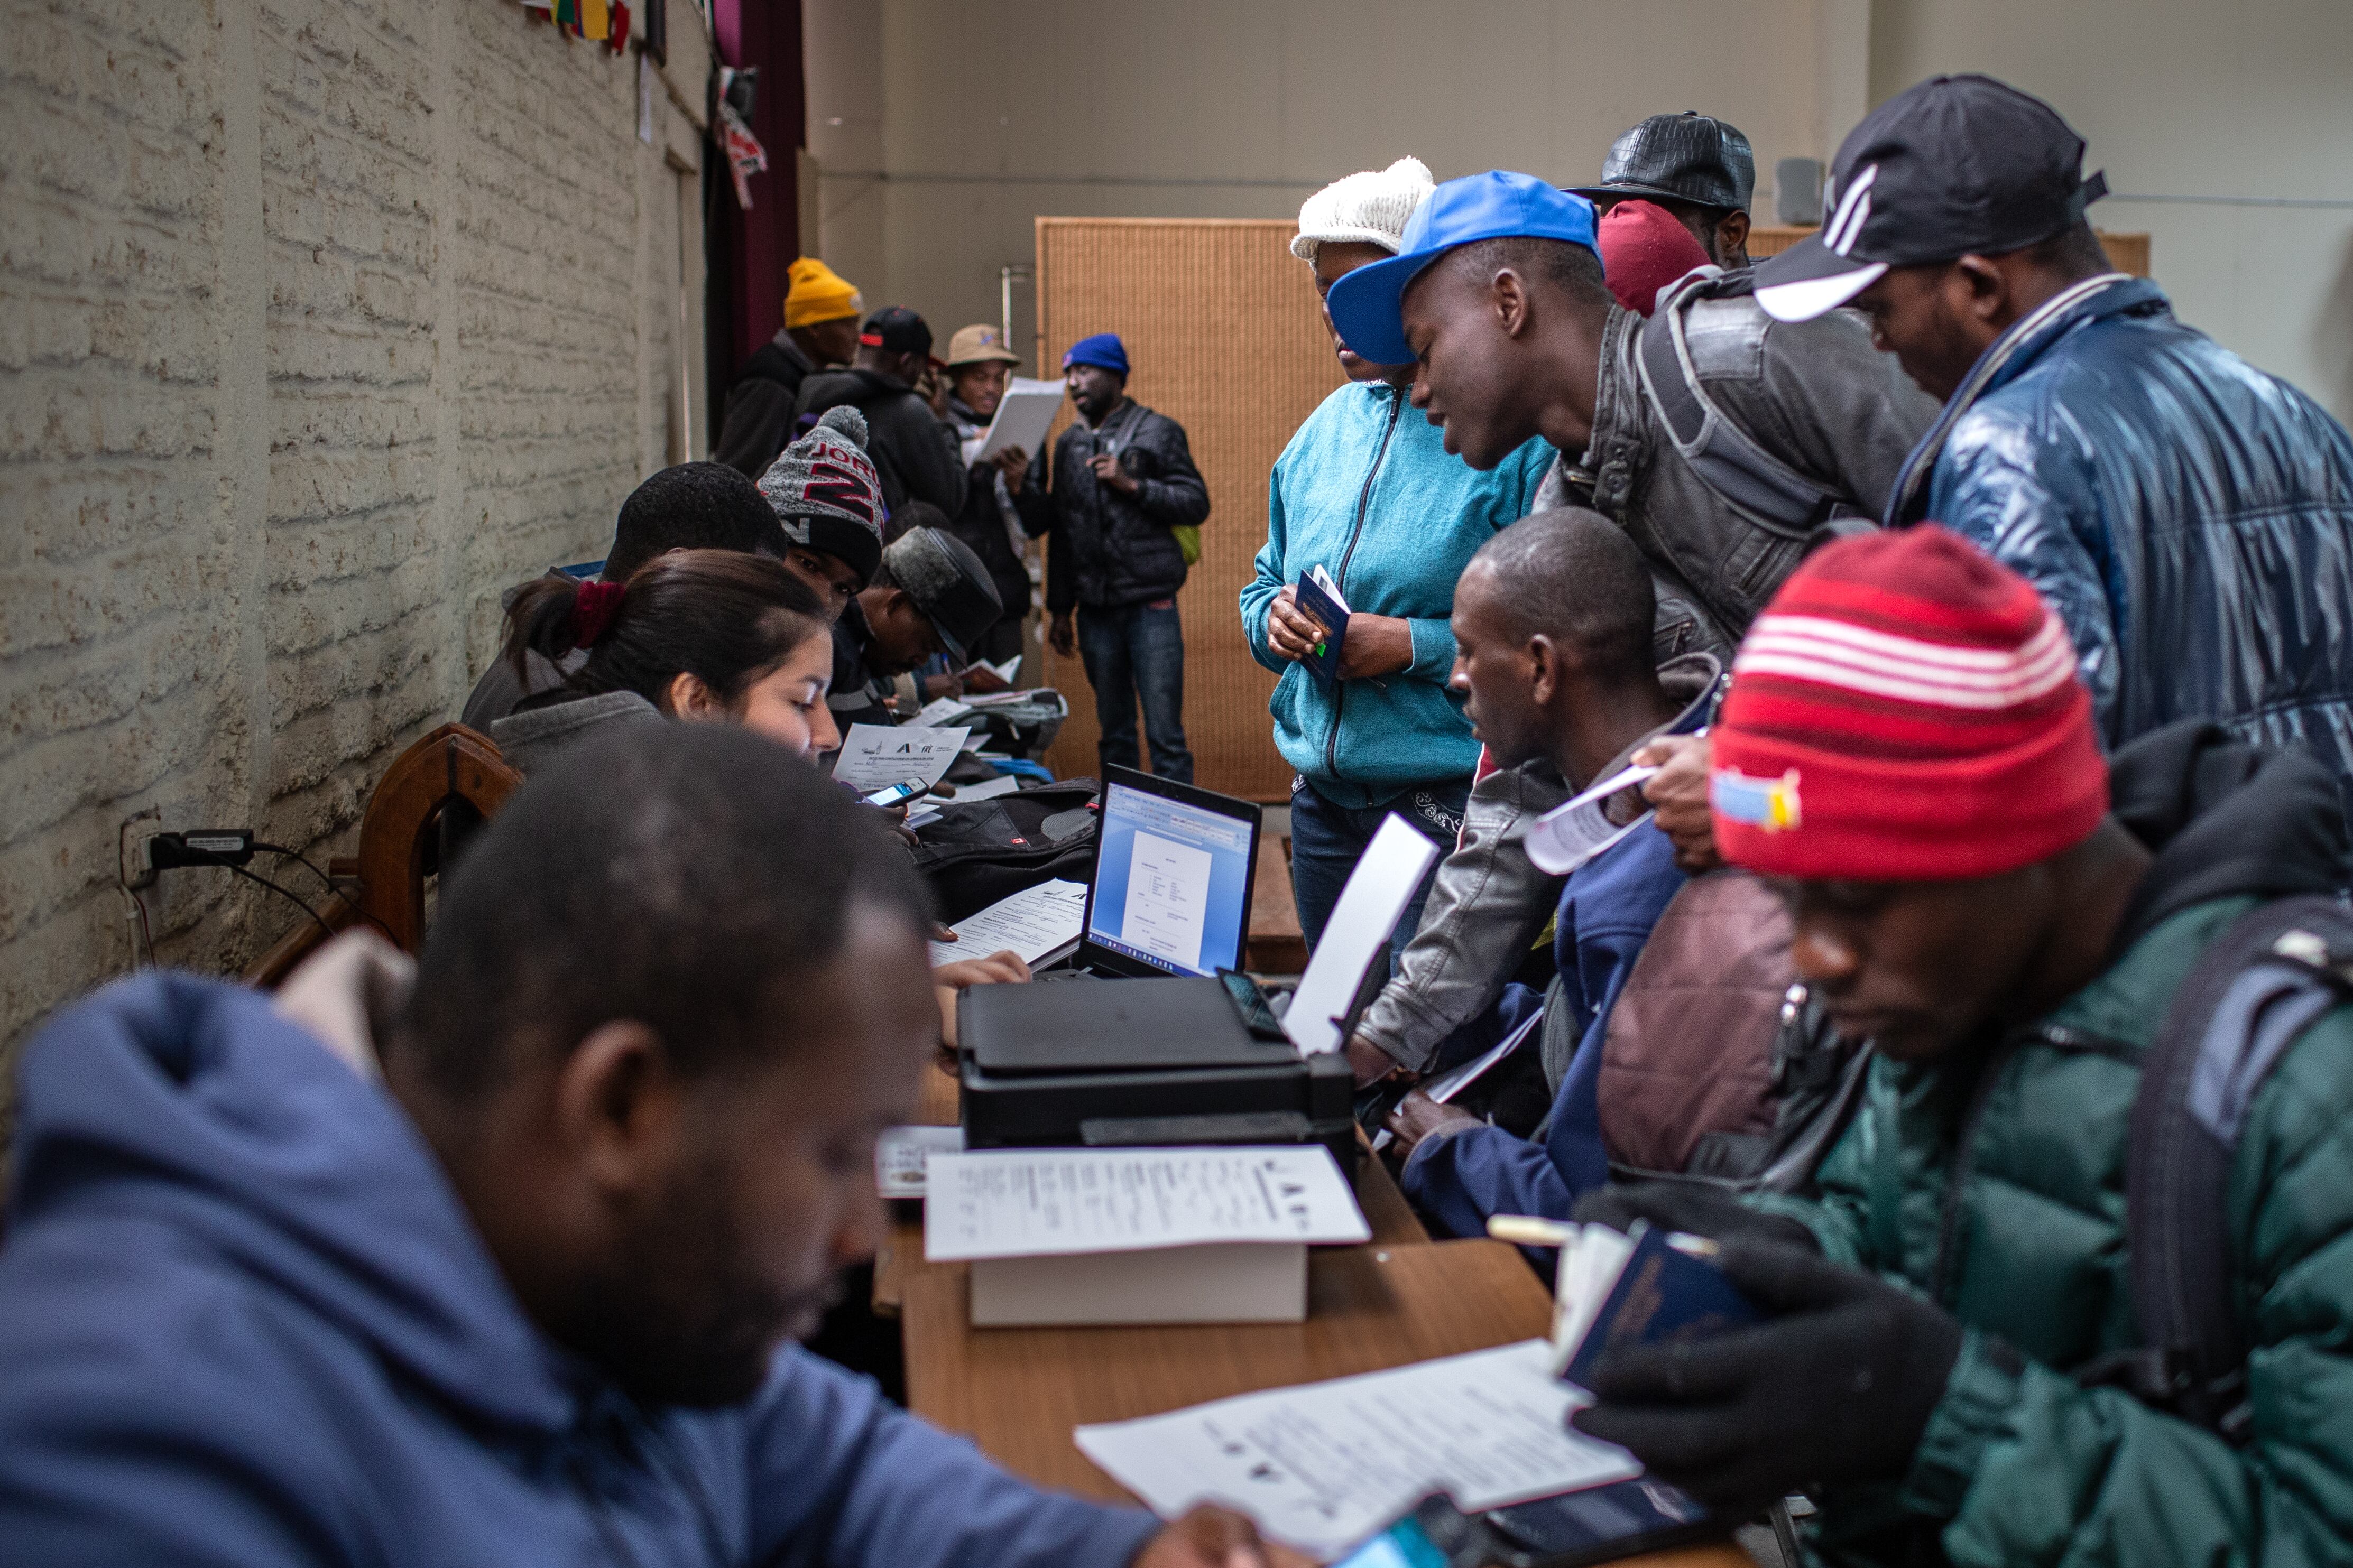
1370, 208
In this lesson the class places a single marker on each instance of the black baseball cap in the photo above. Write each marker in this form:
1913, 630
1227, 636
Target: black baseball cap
949, 585
1685, 157
1959, 165
897, 329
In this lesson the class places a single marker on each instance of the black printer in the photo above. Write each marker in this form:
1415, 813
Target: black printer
1142, 1063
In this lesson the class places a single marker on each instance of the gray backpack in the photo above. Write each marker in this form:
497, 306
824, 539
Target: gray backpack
1724, 456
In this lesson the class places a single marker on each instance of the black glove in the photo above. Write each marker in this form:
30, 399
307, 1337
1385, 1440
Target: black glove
1836, 1389
1689, 1206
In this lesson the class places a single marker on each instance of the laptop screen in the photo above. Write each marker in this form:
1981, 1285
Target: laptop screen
1172, 883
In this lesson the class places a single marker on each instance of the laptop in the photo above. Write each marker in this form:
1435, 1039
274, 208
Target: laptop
1170, 894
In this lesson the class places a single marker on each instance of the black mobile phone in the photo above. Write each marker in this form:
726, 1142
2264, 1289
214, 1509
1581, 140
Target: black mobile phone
1600, 1524
905, 789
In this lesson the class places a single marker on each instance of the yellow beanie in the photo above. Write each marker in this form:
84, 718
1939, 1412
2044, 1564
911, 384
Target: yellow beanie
816, 295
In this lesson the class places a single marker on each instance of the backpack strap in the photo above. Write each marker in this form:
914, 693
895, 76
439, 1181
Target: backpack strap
2256, 988
1726, 458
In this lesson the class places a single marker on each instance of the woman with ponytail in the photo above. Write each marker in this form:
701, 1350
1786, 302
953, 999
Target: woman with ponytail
700, 635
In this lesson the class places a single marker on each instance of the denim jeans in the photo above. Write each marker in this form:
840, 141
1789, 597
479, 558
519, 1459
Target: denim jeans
1327, 841
1138, 650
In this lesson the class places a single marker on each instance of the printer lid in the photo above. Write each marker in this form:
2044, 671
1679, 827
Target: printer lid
1108, 1026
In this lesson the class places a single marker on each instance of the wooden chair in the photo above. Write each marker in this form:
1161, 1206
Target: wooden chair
451, 773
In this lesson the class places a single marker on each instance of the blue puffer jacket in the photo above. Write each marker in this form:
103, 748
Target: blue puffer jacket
1367, 490
2189, 517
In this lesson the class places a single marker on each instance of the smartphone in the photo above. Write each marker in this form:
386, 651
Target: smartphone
904, 789
1600, 1524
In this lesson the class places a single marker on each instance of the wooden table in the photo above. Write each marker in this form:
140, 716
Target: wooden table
1018, 1393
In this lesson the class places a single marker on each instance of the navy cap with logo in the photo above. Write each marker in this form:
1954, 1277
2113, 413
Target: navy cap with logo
1686, 157
949, 585
1959, 165
897, 329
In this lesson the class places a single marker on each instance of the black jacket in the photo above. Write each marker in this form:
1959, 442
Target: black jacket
1111, 550
981, 523
758, 424
915, 455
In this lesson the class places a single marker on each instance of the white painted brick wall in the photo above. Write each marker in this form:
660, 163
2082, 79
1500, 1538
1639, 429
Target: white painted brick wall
321, 322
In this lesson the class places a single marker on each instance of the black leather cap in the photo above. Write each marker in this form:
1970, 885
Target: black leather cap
1685, 157
949, 585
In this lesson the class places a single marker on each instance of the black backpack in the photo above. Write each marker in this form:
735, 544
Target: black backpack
2271, 976
1726, 458
982, 850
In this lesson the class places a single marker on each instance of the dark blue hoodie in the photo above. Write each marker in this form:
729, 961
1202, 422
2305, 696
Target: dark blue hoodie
245, 1321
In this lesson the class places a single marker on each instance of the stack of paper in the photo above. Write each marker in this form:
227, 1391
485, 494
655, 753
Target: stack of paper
1323, 1464
1137, 1236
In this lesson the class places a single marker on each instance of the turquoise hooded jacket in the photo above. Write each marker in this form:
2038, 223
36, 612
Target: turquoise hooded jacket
1367, 490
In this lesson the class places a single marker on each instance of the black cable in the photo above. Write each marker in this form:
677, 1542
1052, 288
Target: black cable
325, 881
283, 892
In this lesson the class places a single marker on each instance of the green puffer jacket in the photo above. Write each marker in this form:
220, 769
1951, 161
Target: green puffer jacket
1997, 1188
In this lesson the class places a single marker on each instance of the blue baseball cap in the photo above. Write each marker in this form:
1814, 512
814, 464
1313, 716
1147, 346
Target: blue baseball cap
1497, 205
1103, 350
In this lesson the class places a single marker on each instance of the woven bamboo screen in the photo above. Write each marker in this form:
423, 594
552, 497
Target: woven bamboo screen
1222, 330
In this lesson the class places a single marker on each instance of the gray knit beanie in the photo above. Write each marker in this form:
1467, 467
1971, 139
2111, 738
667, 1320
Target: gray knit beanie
825, 492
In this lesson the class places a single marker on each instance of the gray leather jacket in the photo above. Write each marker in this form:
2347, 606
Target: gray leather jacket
1488, 902
1815, 394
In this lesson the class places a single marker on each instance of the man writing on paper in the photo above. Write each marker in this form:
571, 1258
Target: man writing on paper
1552, 633
496, 1256
929, 595
1962, 1362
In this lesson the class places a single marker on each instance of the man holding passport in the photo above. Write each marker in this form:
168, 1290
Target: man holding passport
1954, 1364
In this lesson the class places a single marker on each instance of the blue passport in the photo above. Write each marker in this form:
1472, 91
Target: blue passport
1662, 1295
1313, 598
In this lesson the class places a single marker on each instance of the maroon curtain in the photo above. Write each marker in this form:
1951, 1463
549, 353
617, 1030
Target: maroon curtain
750, 250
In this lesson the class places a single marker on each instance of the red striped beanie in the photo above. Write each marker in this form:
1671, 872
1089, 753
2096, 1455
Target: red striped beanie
1904, 709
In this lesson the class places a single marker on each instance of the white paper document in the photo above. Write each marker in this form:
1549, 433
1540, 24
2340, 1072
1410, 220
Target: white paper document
902, 1153
1036, 922
1033, 1203
1573, 832
1376, 896
1447, 1085
1167, 891
876, 756
1022, 419
1322, 1465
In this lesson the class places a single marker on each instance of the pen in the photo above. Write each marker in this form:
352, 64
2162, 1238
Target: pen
1527, 1230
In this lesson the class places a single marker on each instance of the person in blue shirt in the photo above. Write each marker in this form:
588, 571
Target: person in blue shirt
1367, 490
494, 1258
1552, 629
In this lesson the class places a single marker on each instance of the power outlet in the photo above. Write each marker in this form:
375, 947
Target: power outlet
136, 869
